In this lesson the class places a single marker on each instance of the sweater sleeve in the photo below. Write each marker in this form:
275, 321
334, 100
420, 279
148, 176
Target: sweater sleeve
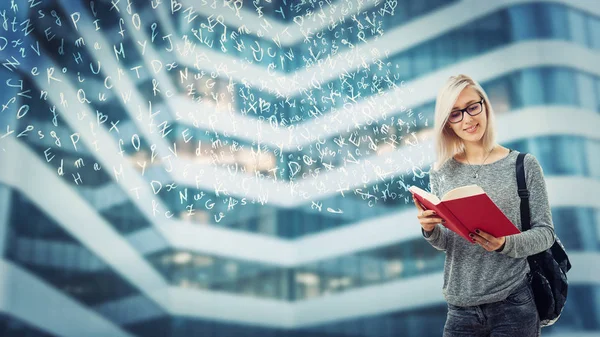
541, 234
439, 236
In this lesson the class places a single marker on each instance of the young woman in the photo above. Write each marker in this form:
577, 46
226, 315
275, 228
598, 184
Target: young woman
486, 281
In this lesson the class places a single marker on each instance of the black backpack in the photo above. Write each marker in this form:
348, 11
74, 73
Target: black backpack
548, 268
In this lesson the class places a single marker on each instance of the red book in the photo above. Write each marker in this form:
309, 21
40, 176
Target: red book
465, 209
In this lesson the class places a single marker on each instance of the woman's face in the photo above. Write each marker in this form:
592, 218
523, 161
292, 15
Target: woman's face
468, 99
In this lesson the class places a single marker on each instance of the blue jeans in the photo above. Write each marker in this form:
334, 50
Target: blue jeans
515, 316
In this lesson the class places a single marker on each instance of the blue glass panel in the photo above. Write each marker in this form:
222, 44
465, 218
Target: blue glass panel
560, 86
523, 26
530, 88
593, 29
586, 90
577, 27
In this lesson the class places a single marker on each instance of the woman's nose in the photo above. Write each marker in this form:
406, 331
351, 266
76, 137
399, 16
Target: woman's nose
467, 118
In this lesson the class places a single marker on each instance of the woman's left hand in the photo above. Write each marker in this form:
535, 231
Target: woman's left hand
487, 241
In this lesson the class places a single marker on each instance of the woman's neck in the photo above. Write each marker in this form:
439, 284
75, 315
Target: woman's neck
475, 153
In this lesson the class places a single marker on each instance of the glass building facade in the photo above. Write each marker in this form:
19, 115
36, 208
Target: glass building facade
145, 183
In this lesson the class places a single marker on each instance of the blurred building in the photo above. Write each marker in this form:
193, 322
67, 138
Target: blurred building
134, 203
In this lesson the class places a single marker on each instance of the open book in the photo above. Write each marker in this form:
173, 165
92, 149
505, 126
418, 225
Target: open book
465, 209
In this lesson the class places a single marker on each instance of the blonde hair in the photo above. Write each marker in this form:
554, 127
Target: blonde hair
447, 142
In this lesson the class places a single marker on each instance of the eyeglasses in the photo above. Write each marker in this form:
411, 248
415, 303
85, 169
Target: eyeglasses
474, 109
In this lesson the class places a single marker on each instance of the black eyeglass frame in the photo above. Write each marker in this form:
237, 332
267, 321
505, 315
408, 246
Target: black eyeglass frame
462, 115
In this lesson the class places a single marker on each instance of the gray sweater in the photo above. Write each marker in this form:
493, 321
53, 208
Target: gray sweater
472, 275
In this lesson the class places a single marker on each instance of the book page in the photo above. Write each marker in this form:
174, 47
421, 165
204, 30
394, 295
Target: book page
430, 201
462, 192
425, 195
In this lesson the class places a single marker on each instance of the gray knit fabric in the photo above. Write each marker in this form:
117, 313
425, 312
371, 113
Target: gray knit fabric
472, 275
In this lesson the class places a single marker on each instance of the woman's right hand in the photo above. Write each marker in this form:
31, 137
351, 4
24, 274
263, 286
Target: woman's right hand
427, 218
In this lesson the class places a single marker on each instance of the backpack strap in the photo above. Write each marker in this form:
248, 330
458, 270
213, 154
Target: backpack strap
523, 192
557, 249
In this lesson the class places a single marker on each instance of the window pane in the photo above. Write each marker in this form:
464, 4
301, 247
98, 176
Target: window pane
561, 86
400, 15
597, 222
417, 7
492, 30
597, 94
499, 95
594, 30
519, 145
560, 155
587, 230
563, 219
592, 157
569, 155
522, 22
586, 91
403, 67
466, 43
530, 90
577, 27
554, 21
445, 52
423, 59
